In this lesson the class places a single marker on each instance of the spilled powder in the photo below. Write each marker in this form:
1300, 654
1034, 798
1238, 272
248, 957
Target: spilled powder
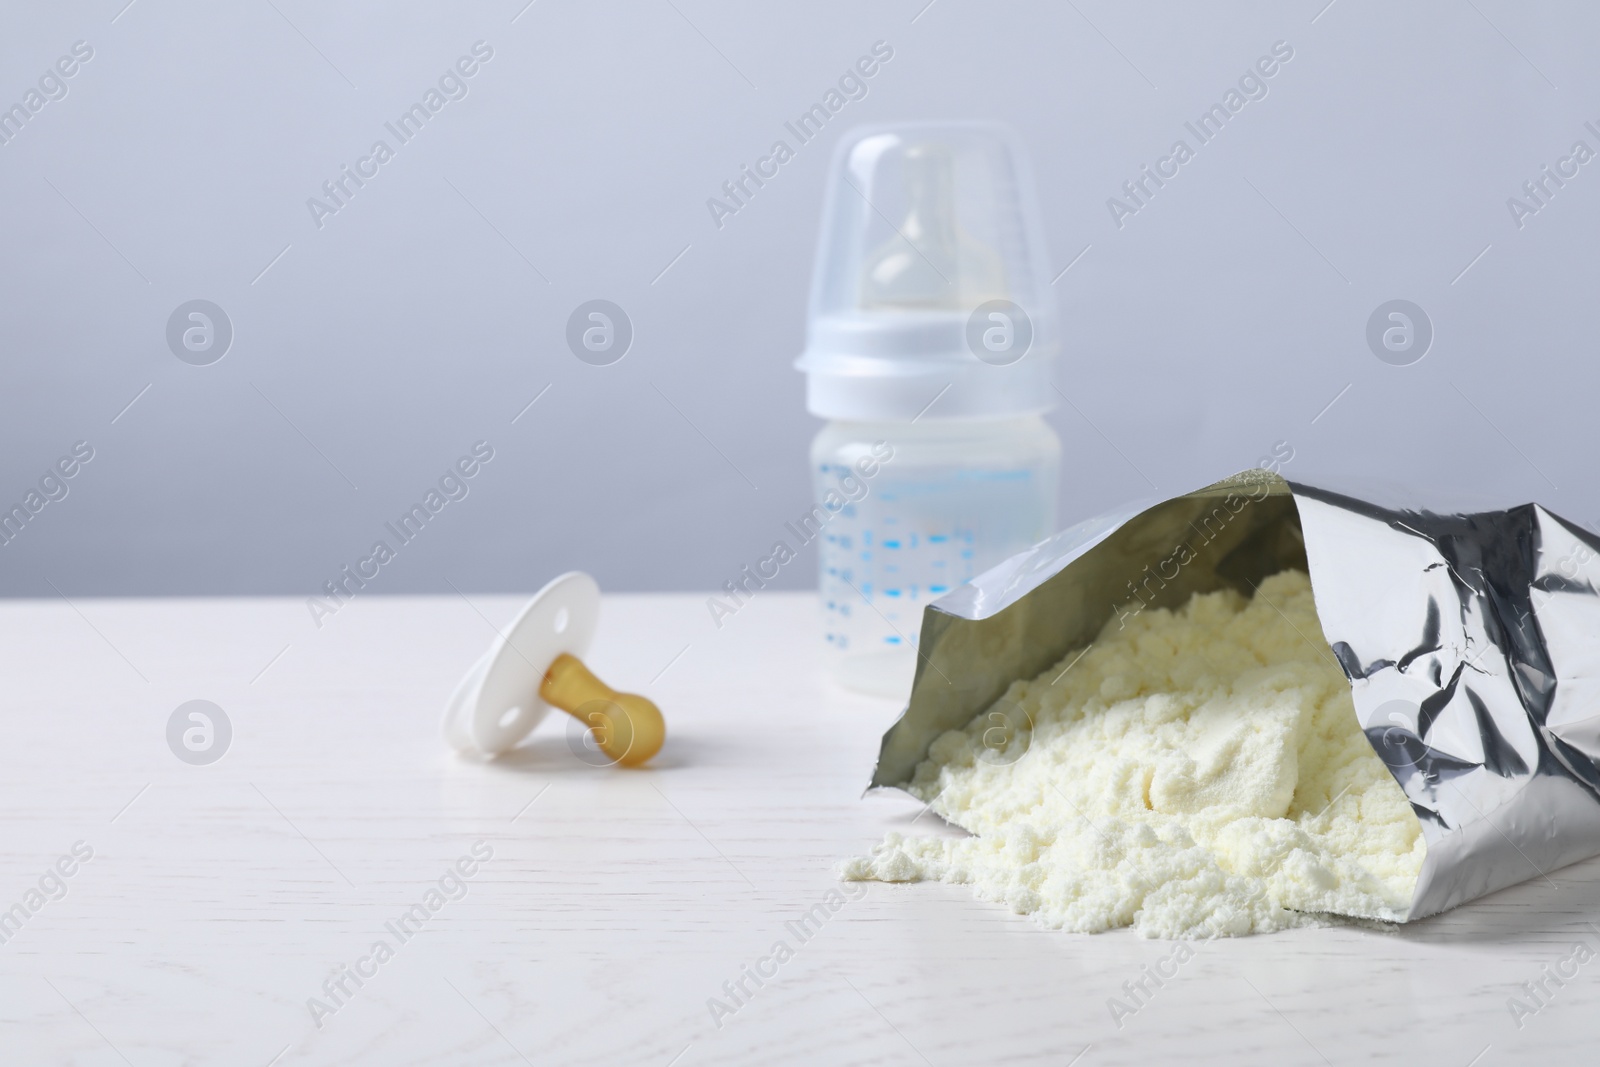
1195, 773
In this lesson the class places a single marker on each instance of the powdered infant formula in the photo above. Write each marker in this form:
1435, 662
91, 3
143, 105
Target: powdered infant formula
1192, 773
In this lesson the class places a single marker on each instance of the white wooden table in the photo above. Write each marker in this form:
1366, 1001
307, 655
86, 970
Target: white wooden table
616, 903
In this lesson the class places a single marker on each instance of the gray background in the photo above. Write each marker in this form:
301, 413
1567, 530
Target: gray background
1221, 319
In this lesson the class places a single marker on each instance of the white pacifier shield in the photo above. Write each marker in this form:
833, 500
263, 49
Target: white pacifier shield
497, 704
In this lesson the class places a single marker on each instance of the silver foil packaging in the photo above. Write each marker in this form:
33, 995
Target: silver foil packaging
1471, 643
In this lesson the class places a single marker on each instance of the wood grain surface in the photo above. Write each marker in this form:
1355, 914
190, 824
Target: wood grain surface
616, 903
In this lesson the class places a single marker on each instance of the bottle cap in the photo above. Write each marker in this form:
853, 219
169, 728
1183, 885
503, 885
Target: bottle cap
930, 279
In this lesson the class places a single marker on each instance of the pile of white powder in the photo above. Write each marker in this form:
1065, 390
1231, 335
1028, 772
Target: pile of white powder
1193, 773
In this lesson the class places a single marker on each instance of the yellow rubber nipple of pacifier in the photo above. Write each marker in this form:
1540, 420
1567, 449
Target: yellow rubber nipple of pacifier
627, 727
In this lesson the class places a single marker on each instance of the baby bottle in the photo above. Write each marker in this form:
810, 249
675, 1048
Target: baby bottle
929, 349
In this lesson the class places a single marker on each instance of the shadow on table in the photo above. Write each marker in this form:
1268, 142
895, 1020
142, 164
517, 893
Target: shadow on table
1547, 906
905, 814
554, 754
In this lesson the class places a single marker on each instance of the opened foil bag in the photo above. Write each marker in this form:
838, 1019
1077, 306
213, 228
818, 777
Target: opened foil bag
1471, 643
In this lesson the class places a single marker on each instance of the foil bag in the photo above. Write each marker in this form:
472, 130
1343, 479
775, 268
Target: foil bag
1471, 643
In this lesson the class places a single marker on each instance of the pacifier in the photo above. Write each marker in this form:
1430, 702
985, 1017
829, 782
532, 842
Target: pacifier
537, 665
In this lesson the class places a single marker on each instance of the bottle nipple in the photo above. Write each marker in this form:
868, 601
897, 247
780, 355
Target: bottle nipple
627, 727
931, 262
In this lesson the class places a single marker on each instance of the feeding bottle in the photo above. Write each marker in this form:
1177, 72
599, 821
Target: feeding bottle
929, 349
